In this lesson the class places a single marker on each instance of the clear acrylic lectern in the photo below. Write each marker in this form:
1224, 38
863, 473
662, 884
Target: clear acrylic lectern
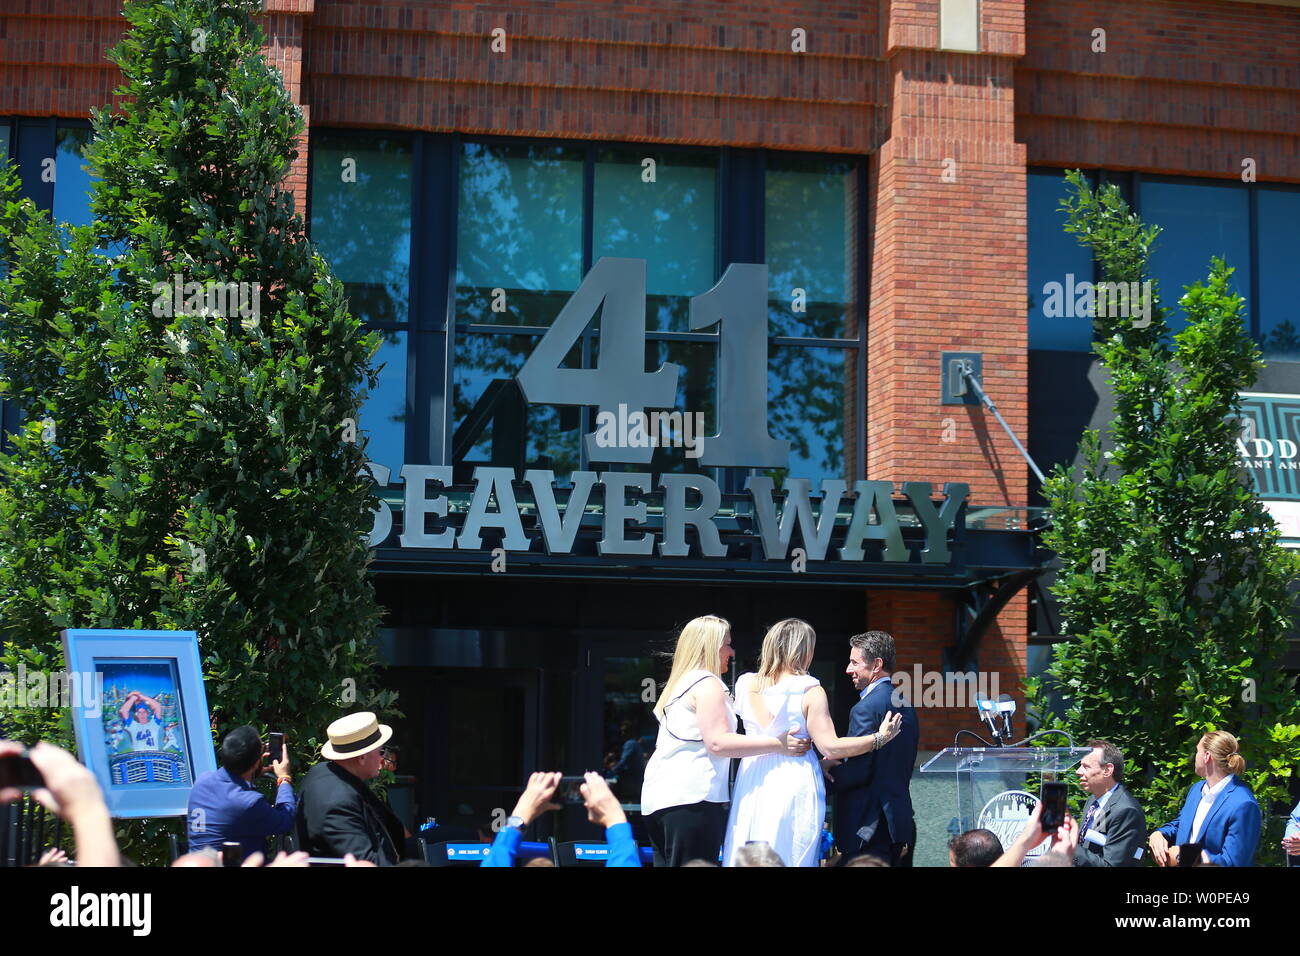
981, 774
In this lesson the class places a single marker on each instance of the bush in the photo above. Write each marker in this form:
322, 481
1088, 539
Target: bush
1173, 586
188, 468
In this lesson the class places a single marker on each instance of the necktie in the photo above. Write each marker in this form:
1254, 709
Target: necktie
1087, 817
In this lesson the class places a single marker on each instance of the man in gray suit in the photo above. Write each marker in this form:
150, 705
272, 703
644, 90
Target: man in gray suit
1113, 826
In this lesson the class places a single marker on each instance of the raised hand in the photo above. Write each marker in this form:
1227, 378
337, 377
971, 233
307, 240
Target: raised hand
536, 798
890, 726
1066, 837
603, 807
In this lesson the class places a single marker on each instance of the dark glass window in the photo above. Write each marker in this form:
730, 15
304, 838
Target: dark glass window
361, 223
518, 229
530, 219
361, 220
1277, 305
668, 221
697, 387
521, 233
383, 415
1198, 220
807, 389
1056, 261
811, 246
493, 423
810, 239
519, 236
72, 180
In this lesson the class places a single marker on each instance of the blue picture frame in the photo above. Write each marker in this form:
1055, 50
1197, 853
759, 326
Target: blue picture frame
150, 735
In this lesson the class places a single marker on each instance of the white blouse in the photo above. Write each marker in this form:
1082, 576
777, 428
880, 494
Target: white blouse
682, 771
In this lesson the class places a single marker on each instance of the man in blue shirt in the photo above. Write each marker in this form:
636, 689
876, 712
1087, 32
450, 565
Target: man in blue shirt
602, 808
224, 806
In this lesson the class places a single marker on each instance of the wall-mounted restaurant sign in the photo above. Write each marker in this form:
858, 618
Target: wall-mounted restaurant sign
1269, 450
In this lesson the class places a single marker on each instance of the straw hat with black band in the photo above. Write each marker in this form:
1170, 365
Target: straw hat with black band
354, 735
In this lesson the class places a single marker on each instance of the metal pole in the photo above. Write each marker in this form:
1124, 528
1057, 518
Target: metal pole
973, 382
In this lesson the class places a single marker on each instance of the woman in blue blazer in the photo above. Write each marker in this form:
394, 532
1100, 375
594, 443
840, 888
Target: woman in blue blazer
1220, 813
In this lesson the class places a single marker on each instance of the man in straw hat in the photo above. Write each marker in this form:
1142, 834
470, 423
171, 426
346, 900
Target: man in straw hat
337, 812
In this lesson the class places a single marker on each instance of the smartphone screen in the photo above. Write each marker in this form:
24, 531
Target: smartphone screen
276, 746
20, 772
1053, 806
568, 792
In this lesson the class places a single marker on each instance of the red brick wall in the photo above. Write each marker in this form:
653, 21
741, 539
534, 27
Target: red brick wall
284, 25
948, 274
922, 625
52, 56
948, 268
1185, 86
675, 71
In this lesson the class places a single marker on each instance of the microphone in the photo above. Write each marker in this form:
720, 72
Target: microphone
1006, 708
988, 711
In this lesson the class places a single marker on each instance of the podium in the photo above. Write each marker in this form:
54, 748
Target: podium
990, 783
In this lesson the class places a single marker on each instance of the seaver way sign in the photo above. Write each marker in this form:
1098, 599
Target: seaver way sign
622, 514
737, 308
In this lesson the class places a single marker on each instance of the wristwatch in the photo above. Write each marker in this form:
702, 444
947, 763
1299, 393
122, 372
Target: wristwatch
516, 821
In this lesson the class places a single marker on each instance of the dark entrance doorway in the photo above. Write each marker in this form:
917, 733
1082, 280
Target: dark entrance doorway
500, 678
481, 732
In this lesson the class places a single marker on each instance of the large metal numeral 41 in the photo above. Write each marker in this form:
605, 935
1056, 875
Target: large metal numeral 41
619, 377
738, 301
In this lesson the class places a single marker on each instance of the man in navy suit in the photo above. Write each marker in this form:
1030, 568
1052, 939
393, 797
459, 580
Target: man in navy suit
224, 804
873, 802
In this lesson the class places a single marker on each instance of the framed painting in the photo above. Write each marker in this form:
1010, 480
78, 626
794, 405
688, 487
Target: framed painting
150, 735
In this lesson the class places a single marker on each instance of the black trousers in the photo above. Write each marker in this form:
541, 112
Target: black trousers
693, 831
882, 845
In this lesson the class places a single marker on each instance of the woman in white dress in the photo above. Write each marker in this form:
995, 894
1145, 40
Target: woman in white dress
779, 799
685, 788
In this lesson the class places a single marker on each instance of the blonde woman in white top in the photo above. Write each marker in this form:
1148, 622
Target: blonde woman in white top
685, 789
779, 799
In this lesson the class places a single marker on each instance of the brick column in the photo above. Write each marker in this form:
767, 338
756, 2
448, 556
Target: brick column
284, 22
948, 273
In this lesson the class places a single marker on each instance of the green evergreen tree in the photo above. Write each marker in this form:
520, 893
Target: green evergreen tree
1173, 586
186, 462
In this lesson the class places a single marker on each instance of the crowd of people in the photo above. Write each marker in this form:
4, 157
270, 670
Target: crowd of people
791, 760
1219, 825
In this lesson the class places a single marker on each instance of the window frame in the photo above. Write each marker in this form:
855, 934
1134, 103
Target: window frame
1131, 183
411, 434
433, 330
